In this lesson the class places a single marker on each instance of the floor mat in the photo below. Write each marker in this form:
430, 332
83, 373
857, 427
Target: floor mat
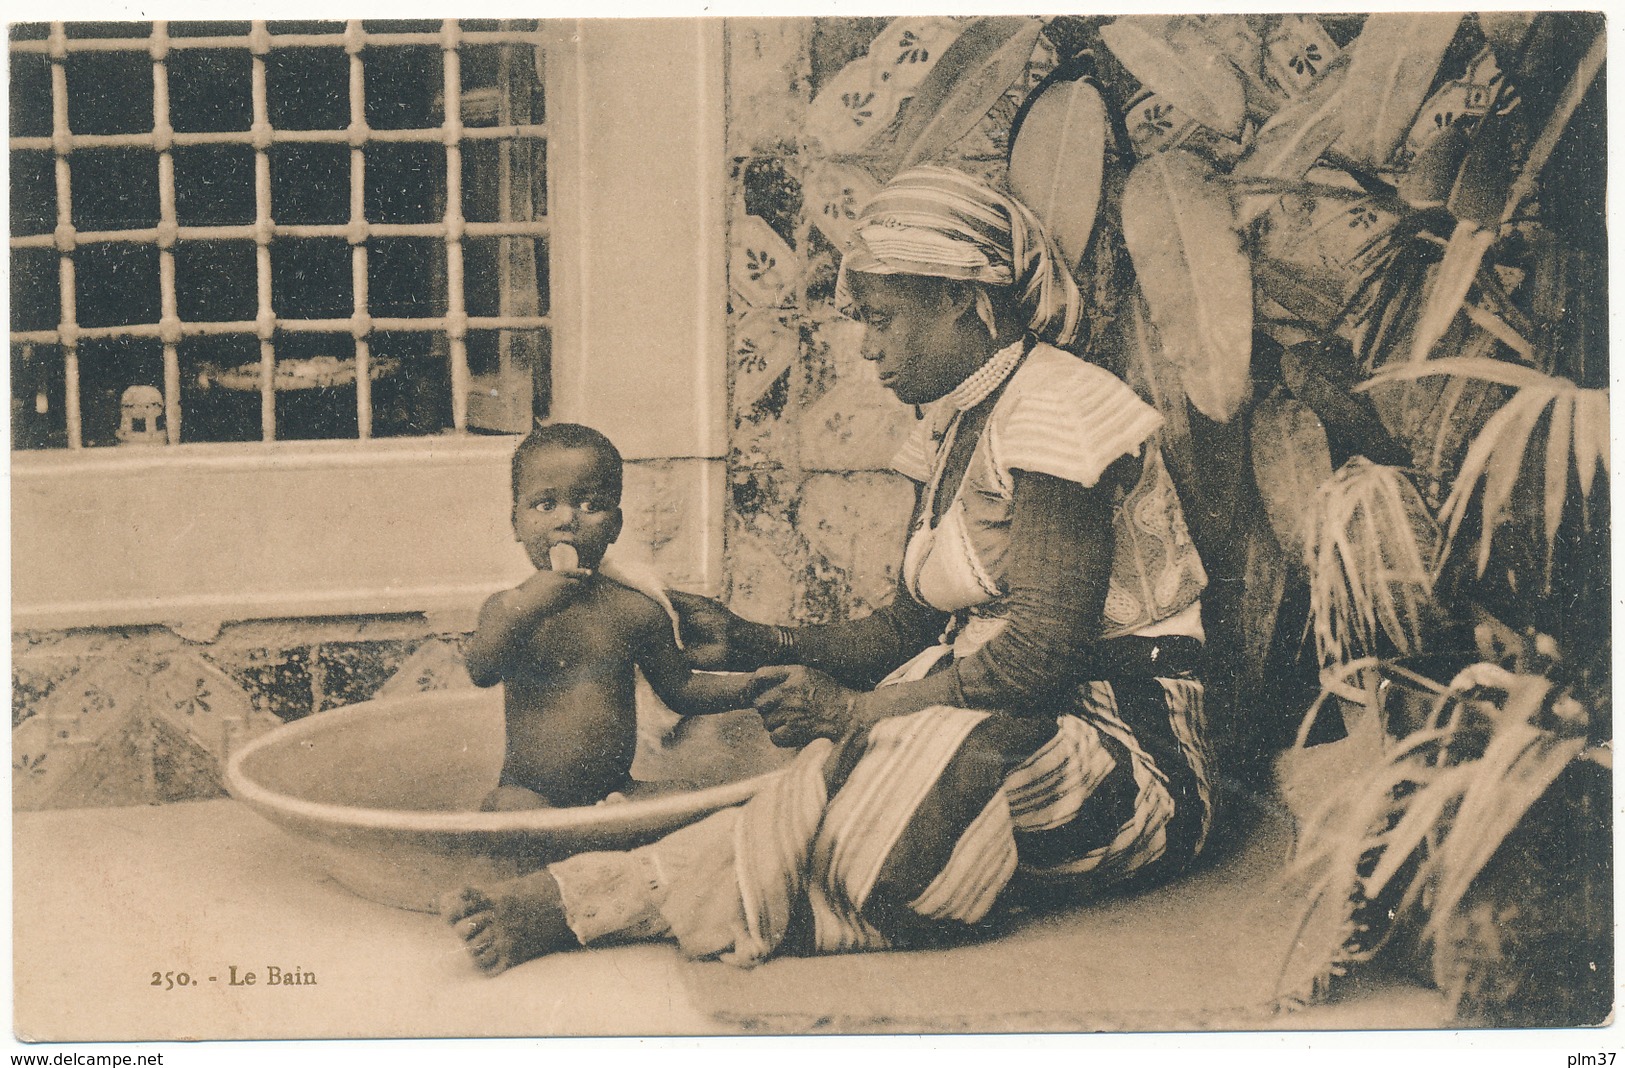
1204, 953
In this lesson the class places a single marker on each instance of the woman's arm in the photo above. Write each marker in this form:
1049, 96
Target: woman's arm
1061, 535
686, 692
1061, 554
859, 652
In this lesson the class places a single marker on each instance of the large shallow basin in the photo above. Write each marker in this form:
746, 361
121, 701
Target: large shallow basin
383, 795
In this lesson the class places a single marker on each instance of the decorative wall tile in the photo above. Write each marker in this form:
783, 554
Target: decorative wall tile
835, 43
348, 672
204, 705
834, 192
86, 743
903, 53
436, 664
765, 344
182, 770
116, 770
763, 270
33, 678
277, 679
769, 192
848, 114
853, 427
38, 767
767, 82
762, 544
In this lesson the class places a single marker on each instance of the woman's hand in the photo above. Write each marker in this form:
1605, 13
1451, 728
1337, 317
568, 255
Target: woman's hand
798, 704
714, 639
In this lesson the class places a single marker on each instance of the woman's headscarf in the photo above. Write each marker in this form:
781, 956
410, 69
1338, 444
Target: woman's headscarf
941, 223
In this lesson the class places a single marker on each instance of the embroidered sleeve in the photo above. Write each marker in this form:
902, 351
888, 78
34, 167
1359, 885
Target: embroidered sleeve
1070, 419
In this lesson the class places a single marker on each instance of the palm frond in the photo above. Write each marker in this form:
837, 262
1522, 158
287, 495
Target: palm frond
1515, 375
1522, 759
1370, 539
1576, 439
1417, 830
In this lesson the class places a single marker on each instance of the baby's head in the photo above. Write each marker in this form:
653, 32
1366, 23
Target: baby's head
566, 491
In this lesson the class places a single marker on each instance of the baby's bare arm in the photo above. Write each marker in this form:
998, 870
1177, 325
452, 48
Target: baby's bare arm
511, 616
686, 692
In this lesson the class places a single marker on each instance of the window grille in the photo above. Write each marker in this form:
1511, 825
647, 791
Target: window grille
198, 248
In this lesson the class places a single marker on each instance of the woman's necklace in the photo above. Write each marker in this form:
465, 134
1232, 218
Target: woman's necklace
976, 388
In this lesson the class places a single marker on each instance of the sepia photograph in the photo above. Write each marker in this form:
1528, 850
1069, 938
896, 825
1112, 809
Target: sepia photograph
792, 525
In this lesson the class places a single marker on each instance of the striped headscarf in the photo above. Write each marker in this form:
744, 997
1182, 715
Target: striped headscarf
937, 222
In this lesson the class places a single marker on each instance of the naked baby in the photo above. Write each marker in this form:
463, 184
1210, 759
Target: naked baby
564, 642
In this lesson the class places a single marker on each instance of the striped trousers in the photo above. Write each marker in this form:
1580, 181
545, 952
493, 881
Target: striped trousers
913, 831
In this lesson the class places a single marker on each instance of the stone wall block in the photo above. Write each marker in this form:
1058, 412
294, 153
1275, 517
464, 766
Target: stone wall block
855, 526
763, 545
768, 86
661, 527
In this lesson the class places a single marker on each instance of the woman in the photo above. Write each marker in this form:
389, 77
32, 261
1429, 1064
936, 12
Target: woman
1023, 722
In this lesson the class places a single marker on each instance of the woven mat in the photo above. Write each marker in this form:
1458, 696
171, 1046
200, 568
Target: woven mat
1203, 953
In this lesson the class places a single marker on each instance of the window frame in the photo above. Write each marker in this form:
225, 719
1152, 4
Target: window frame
200, 534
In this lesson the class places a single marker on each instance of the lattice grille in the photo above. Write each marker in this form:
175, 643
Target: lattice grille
275, 321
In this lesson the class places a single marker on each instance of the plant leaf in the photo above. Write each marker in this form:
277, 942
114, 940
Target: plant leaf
1470, 473
1518, 763
1294, 138
1484, 369
1590, 436
1505, 32
1505, 463
1499, 329
1584, 74
1181, 235
1182, 65
1391, 67
1559, 438
1057, 163
1291, 460
1309, 370
1427, 182
1468, 244
969, 78
1262, 585
1422, 812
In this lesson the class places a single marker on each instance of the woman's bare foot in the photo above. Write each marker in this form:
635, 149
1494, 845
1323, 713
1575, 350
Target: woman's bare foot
511, 922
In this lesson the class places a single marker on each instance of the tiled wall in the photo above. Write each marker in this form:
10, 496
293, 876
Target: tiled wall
143, 715
815, 523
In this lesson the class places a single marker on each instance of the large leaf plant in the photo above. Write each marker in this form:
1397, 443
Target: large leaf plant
1358, 263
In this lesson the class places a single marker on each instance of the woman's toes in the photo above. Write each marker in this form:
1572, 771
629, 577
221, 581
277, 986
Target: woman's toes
473, 925
460, 904
489, 958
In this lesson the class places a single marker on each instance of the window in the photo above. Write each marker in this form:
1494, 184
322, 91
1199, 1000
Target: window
274, 230
593, 285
